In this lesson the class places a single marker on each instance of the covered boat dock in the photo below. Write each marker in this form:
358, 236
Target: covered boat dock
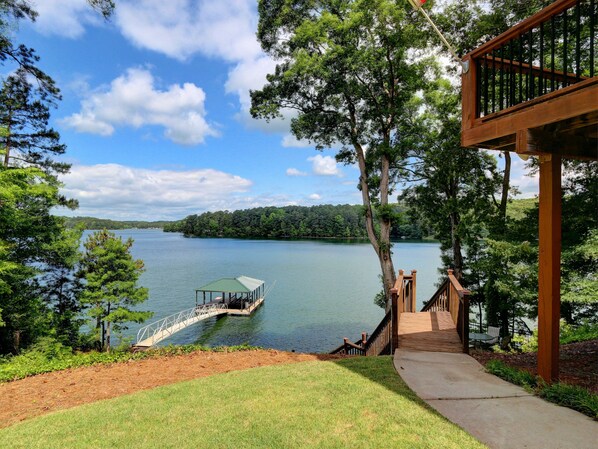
241, 295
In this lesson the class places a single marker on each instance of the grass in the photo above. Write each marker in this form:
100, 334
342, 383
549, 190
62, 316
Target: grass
55, 357
350, 403
571, 396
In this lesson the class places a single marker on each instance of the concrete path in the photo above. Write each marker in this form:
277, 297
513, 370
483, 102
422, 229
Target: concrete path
496, 412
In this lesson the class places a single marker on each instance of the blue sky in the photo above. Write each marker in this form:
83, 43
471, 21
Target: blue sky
155, 112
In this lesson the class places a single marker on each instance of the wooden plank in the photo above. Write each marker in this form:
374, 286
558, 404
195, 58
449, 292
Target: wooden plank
549, 274
429, 331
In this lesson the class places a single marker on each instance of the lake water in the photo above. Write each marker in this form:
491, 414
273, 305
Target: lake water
324, 289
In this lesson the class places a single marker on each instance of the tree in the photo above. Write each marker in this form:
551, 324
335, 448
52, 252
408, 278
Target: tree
24, 115
345, 70
111, 293
453, 188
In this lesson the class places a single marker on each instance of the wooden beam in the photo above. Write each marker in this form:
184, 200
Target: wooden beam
549, 274
580, 100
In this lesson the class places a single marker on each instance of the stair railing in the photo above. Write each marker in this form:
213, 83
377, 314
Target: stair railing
453, 298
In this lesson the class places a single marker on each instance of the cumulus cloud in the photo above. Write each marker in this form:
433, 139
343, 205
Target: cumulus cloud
324, 165
117, 191
290, 141
66, 18
181, 28
133, 99
295, 172
315, 197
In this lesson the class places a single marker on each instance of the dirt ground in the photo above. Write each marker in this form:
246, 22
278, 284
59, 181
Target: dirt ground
33, 396
578, 363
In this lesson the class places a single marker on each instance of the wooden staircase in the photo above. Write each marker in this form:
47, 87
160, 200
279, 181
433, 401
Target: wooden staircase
441, 326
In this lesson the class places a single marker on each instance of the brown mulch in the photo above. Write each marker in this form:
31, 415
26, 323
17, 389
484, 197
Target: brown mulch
578, 363
33, 396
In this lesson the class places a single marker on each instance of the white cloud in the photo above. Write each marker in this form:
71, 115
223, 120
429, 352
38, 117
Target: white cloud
290, 141
181, 28
65, 18
295, 172
117, 191
134, 100
528, 186
315, 197
324, 165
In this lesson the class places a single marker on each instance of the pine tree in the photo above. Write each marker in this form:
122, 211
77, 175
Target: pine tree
111, 292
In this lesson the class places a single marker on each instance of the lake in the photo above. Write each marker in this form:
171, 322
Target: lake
324, 289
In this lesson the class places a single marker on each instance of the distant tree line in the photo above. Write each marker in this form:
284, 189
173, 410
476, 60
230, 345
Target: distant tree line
326, 221
103, 223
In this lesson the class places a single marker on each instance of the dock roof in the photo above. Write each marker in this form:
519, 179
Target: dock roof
240, 284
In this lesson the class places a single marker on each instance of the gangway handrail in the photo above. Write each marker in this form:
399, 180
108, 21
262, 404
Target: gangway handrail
168, 323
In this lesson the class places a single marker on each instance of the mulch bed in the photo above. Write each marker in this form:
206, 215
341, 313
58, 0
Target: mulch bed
37, 395
578, 363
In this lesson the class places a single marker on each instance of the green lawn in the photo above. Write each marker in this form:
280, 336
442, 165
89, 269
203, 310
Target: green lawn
357, 402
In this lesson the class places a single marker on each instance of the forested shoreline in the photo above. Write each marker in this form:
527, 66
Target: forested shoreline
95, 224
324, 221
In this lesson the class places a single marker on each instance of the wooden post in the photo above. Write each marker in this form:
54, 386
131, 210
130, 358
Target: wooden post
549, 268
394, 324
363, 339
413, 290
346, 345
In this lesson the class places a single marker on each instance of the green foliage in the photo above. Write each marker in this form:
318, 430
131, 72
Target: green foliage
50, 355
102, 223
571, 396
516, 376
326, 221
111, 291
568, 333
344, 68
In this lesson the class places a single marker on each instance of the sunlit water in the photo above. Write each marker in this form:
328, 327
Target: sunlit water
324, 290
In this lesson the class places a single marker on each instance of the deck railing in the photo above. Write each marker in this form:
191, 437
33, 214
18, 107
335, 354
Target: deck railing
378, 343
452, 297
384, 338
551, 50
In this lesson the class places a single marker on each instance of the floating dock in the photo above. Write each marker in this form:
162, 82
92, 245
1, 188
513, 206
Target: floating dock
239, 296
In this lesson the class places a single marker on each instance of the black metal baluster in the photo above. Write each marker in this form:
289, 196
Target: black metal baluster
565, 44
541, 76
478, 88
500, 87
592, 26
493, 81
530, 79
520, 68
552, 48
512, 75
578, 41
486, 83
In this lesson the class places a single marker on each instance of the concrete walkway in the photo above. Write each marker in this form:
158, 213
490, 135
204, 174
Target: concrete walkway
496, 412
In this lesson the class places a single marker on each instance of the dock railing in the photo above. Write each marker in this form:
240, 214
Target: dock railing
452, 297
175, 322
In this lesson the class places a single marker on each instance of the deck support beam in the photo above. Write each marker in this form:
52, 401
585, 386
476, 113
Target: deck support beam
549, 274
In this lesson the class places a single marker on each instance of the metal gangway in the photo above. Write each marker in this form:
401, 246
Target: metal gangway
162, 329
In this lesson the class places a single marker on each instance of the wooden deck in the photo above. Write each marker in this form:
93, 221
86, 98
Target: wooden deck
429, 331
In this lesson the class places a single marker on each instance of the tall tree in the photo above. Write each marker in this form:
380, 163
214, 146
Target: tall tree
24, 114
453, 188
346, 72
111, 292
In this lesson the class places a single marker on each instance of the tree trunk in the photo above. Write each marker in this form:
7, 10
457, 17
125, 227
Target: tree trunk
506, 185
456, 244
108, 336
